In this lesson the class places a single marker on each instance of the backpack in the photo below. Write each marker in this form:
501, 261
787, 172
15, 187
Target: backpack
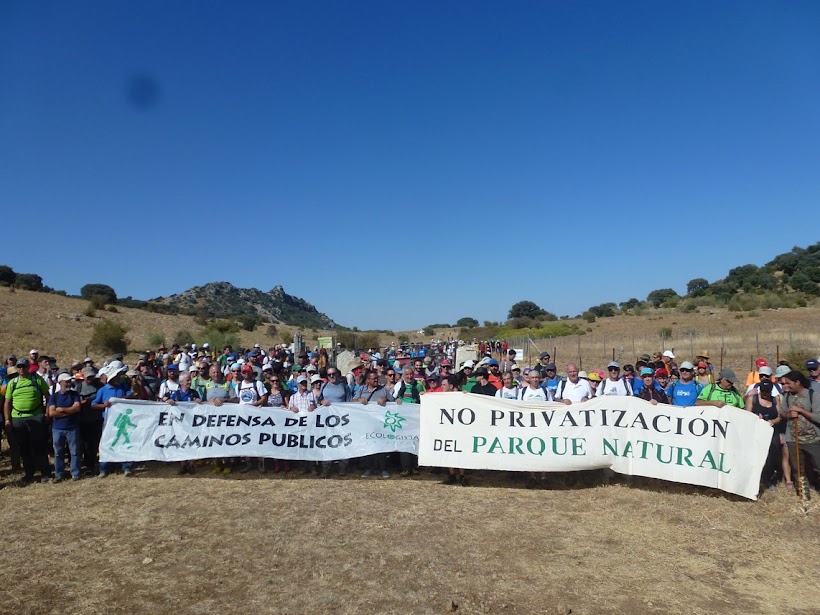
414, 391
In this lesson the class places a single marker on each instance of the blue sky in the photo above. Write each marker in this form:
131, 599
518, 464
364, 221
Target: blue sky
404, 163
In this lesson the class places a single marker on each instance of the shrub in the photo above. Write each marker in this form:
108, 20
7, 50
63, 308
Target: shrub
438, 325
665, 332
201, 318
90, 311
7, 275
346, 337
588, 316
429, 331
109, 336
467, 322
367, 340
155, 340
271, 330
97, 302
797, 356
112, 308
29, 281
183, 337
218, 339
249, 321
286, 338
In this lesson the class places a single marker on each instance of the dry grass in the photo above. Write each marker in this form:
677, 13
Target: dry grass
251, 544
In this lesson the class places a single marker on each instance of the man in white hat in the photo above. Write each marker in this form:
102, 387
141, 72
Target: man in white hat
116, 387
64, 410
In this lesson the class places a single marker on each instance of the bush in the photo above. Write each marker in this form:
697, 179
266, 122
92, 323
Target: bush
97, 302
588, 316
218, 339
112, 308
249, 321
665, 332
201, 318
90, 311
155, 340
467, 322
797, 356
272, 330
435, 326
429, 331
286, 338
346, 337
29, 281
7, 275
89, 291
109, 337
183, 337
367, 340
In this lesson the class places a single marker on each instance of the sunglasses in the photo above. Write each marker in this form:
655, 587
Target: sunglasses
612, 369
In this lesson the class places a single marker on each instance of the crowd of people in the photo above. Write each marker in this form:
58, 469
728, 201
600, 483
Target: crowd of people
58, 413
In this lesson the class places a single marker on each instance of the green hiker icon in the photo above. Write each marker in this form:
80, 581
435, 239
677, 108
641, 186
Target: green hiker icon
123, 424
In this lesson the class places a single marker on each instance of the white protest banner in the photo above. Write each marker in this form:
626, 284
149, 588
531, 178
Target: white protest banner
143, 431
724, 448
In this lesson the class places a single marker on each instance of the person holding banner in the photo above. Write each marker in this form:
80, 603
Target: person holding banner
723, 393
372, 391
409, 391
573, 390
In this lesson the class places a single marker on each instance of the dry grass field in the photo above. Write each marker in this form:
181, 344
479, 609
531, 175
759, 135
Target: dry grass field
244, 544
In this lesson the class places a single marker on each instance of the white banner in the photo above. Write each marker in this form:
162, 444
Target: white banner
143, 430
724, 448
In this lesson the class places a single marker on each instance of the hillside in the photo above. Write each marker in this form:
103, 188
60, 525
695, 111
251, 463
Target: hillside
224, 300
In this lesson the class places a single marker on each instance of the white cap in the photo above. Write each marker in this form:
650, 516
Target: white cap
687, 365
64, 378
206, 345
194, 346
256, 346
33, 351
669, 353
88, 360
469, 364
582, 374
315, 379
765, 370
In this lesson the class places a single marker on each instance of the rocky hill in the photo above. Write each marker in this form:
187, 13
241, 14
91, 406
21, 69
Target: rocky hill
224, 300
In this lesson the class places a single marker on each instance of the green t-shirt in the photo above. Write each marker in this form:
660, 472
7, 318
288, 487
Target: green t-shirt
407, 397
26, 395
730, 397
468, 386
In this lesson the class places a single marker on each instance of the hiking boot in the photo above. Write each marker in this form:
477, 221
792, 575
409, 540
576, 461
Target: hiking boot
462, 480
451, 479
405, 473
75, 478
56, 479
262, 467
46, 479
226, 471
102, 475
385, 474
128, 474
532, 483
367, 473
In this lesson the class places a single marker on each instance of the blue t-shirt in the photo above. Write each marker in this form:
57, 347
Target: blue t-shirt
681, 394
109, 392
637, 386
64, 400
552, 386
180, 395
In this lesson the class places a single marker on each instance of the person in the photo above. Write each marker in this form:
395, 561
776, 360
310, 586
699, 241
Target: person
614, 384
509, 387
302, 402
667, 358
685, 391
723, 393
573, 390
764, 375
115, 387
551, 379
543, 362
534, 391
754, 375
24, 414
90, 420
764, 405
800, 407
649, 392
64, 410
217, 390
705, 377
250, 391
171, 384
409, 391
813, 366
594, 379
373, 392
185, 392
483, 386
494, 375
466, 376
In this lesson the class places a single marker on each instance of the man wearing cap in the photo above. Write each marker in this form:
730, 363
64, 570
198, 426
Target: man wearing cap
24, 414
249, 390
765, 375
614, 384
494, 374
573, 390
754, 375
170, 384
64, 410
666, 358
534, 391
543, 362
34, 361
115, 387
466, 375
813, 366
685, 391
509, 361
90, 420
649, 392
551, 379
483, 385
723, 393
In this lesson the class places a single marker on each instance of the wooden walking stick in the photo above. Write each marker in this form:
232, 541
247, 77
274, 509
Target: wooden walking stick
800, 490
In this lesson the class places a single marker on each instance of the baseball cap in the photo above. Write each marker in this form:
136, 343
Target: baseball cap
33, 351
88, 372
514, 367
613, 364
645, 357
470, 363
765, 371
646, 371
549, 366
669, 353
482, 371
247, 369
594, 376
728, 374
253, 353
703, 364
64, 378
492, 362
687, 365
812, 364
315, 379
311, 368
661, 373
583, 374
22, 361
544, 355
446, 363
301, 379
761, 362
781, 371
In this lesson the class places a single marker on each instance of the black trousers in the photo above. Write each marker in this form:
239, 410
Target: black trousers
90, 435
31, 434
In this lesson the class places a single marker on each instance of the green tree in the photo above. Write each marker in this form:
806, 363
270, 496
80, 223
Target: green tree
29, 281
525, 309
7, 275
657, 297
697, 287
109, 336
102, 290
467, 322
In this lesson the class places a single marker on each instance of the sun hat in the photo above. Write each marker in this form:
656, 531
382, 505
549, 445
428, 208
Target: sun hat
315, 379
301, 379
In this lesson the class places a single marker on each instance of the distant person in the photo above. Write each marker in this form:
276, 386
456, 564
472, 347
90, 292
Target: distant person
813, 366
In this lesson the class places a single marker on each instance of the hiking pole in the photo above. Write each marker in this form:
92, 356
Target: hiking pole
797, 460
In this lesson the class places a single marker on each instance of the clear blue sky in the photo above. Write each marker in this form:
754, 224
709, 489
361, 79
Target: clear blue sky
404, 163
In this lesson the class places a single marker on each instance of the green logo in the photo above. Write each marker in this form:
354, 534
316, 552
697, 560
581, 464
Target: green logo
393, 421
123, 425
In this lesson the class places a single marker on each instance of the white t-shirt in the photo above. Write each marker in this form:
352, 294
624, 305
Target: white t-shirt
753, 389
250, 392
185, 361
505, 393
619, 387
168, 387
573, 392
530, 394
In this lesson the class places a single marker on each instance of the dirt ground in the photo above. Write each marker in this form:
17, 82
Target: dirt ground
159, 543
